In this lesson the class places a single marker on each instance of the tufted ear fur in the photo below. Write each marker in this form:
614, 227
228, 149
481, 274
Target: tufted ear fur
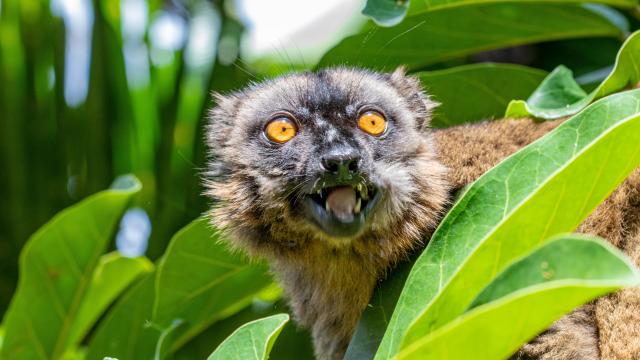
410, 88
220, 119
220, 122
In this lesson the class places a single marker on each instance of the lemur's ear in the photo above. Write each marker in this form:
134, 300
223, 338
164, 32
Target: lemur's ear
410, 88
221, 118
220, 123
405, 85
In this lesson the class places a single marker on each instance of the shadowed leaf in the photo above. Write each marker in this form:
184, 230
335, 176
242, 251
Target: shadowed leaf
559, 95
112, 276
125, 332
450, 33
477, 92
201, 281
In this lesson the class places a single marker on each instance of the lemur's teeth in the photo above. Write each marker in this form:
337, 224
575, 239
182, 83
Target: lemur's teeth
356, 209
326, 206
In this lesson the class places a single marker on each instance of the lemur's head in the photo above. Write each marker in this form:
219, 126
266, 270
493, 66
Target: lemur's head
340, 159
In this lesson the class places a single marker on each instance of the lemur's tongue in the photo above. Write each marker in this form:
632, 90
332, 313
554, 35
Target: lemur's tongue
341, 201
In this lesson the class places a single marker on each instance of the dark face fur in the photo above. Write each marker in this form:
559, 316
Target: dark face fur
332, 185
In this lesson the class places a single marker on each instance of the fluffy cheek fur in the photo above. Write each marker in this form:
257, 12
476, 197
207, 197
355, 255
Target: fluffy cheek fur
255, 213
416, 191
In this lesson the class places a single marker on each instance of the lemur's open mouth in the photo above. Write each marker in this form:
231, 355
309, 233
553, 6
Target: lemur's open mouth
341, 210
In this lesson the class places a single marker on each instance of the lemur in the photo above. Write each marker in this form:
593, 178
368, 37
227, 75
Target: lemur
335, 176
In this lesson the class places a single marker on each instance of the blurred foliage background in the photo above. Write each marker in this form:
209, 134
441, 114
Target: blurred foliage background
94, 89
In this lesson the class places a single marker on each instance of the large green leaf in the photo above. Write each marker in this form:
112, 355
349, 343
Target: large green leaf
201, 281
56, 269
125, 332
548, 187
454, 32
559, 95
391, 12
252, 340
111, 277
477, 92
529, 295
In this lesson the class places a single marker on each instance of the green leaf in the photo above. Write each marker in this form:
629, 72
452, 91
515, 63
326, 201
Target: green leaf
590, 59
392, 12
530, 294
420, 6
573, 259
561, 177
125, 332
386, 12
167, 337
294, 343
453, 33
559, 95
56, 269
252, 340
375, 318
201, 281
111, 277
477, 92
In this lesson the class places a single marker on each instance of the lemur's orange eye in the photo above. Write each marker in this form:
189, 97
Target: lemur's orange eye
281, 130
373, 123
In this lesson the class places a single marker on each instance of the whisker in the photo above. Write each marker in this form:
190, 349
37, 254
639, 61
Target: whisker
252, 76
401, 34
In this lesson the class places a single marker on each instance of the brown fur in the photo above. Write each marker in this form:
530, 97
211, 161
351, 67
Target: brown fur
329, 281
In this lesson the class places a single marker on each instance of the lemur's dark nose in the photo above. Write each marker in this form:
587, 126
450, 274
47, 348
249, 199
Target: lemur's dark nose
341, 164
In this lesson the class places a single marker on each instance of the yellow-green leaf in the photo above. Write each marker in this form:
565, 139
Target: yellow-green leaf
252, 341
528, 296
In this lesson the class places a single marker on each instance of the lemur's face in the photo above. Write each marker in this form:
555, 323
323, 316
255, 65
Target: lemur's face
332, 156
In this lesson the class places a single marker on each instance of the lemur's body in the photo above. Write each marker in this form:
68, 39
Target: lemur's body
334, 202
